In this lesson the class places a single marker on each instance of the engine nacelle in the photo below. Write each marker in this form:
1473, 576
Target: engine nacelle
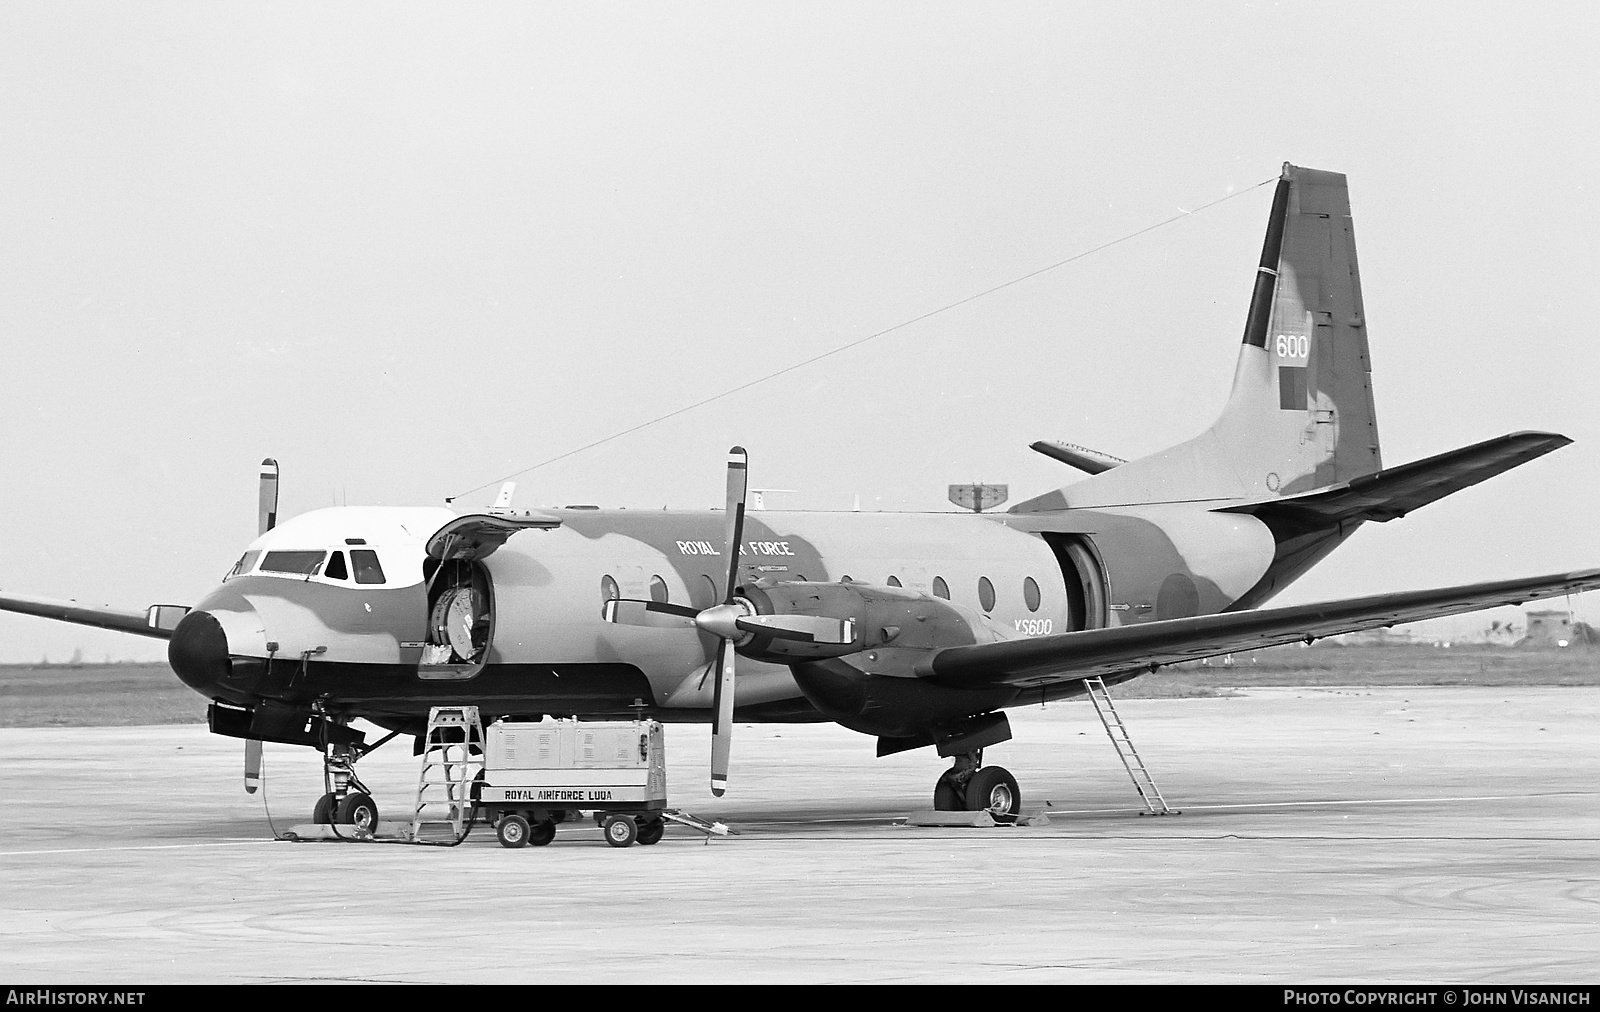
896, 627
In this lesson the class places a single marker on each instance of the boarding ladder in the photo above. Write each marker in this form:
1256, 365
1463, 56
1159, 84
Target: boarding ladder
452, 759
1118, 732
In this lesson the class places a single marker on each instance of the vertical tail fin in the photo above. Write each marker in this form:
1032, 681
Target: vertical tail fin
1300, 415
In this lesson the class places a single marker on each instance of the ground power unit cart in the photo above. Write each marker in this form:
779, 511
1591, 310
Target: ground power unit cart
537, 775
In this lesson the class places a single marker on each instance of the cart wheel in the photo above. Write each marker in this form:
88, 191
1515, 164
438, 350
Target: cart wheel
512, 831
651, 832
322, 812
541, 833
360, 811
620, 830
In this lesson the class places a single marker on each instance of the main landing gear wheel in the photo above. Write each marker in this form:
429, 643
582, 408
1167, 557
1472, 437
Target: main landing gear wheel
620, 830
970, 786
360, 811
322, 812
651, 832
994, 790
512, 831
541, 833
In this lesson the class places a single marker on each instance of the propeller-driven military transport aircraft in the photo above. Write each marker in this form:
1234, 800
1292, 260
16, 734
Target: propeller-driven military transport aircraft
919, 629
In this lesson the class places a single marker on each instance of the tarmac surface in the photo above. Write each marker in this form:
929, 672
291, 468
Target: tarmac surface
1425, 835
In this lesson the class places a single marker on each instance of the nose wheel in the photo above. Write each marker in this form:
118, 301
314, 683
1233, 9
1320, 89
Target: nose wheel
970, 786
348, 801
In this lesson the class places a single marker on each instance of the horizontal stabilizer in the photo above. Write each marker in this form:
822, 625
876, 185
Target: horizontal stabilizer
1396, 491
157, 622
1046, 660
1081, 457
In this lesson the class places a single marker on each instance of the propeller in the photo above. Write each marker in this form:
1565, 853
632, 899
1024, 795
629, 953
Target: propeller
734, 622
268, 520
722, 693
269, 495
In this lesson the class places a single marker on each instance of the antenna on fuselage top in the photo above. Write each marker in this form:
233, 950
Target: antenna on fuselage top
502, 502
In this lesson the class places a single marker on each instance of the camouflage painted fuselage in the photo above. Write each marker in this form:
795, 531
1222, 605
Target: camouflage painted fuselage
296, 638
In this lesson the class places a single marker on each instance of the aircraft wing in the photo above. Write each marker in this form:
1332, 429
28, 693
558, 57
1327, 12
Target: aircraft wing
157, 621
1064, 657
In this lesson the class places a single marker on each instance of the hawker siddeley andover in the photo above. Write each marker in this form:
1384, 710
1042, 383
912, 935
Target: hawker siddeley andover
918, 629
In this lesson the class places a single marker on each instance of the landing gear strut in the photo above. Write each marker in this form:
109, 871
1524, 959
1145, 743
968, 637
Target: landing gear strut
970, 786
348, 801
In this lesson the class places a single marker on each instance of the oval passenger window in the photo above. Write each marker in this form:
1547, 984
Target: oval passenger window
940, 588
708, 592
894, 581
658, 589
608, 589
1030, 593
985, 593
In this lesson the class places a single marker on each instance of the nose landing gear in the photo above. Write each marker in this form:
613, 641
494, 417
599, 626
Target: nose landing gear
970, 786
347, 801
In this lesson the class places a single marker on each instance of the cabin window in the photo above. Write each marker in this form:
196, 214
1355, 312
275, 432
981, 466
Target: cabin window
365, 561
985, 593
246, 563
894, 581
940, 588
1030, 593
335, 569
608, 589
658, 589
296, 563
707, 595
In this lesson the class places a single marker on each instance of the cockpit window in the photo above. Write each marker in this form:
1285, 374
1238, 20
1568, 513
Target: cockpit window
298, 563
365, 561
335, 570
246, 562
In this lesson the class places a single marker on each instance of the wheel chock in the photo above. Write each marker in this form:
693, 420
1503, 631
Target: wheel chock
976, 820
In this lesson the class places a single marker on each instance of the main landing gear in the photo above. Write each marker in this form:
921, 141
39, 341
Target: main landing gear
970, 786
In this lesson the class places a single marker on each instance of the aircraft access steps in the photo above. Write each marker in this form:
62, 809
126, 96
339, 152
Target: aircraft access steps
452, 759
1149, 793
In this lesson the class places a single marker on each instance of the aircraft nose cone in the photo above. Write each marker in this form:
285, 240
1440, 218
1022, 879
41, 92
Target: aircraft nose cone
198, 652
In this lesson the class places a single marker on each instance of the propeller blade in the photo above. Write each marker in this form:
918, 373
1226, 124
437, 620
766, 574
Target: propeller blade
738, 466
805, 628
650, 614
269, 495
252, 765
722, 728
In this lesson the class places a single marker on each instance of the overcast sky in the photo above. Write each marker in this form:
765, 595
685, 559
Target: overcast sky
409, 248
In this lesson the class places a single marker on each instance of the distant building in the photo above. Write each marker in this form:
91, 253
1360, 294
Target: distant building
1548, 629
1381, 637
